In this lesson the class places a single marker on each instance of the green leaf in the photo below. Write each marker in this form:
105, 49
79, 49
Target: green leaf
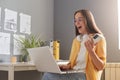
30, 42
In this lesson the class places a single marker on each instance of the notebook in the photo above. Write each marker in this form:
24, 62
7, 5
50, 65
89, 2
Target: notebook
45, 62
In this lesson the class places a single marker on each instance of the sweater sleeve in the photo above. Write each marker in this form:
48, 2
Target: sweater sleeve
101, 50
74, 51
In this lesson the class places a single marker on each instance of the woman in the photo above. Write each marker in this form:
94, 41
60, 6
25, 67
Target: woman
88, 50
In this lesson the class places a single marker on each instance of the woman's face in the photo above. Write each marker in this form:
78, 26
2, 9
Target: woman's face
79, 22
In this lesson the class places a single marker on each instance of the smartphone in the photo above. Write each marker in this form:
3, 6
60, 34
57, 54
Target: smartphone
97, 38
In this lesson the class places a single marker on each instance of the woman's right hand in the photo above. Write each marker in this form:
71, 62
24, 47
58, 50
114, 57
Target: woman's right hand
64, 67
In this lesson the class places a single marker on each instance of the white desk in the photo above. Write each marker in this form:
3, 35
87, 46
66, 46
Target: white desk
11, 67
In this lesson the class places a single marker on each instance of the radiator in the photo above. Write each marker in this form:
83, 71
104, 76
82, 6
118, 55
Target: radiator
112, 71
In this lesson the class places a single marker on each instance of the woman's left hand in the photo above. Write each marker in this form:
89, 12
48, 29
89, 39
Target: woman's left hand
99, 63
89, 44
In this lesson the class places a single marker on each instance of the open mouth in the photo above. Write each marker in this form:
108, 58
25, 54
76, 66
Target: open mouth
79, 27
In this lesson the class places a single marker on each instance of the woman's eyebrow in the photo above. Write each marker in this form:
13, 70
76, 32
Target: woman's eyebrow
79, 17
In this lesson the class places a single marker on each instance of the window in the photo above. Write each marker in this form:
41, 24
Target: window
119, 21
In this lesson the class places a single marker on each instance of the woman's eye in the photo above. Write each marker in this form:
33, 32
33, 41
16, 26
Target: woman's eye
79, 20
75, 21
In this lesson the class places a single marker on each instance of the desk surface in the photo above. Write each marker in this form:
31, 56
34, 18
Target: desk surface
19, 66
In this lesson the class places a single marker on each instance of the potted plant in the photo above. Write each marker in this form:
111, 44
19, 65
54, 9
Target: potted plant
31, 41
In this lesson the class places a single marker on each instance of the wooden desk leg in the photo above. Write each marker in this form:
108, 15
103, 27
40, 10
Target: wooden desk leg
11, 73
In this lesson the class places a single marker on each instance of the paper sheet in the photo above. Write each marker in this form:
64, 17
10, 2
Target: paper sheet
25, 23
4, 43
16, 48
10, 22
0, 18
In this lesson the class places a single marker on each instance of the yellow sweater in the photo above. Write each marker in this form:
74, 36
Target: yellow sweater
91, 71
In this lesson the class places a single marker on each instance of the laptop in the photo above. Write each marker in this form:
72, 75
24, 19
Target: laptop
45, 61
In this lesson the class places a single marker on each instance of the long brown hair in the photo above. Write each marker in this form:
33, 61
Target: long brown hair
90, 22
